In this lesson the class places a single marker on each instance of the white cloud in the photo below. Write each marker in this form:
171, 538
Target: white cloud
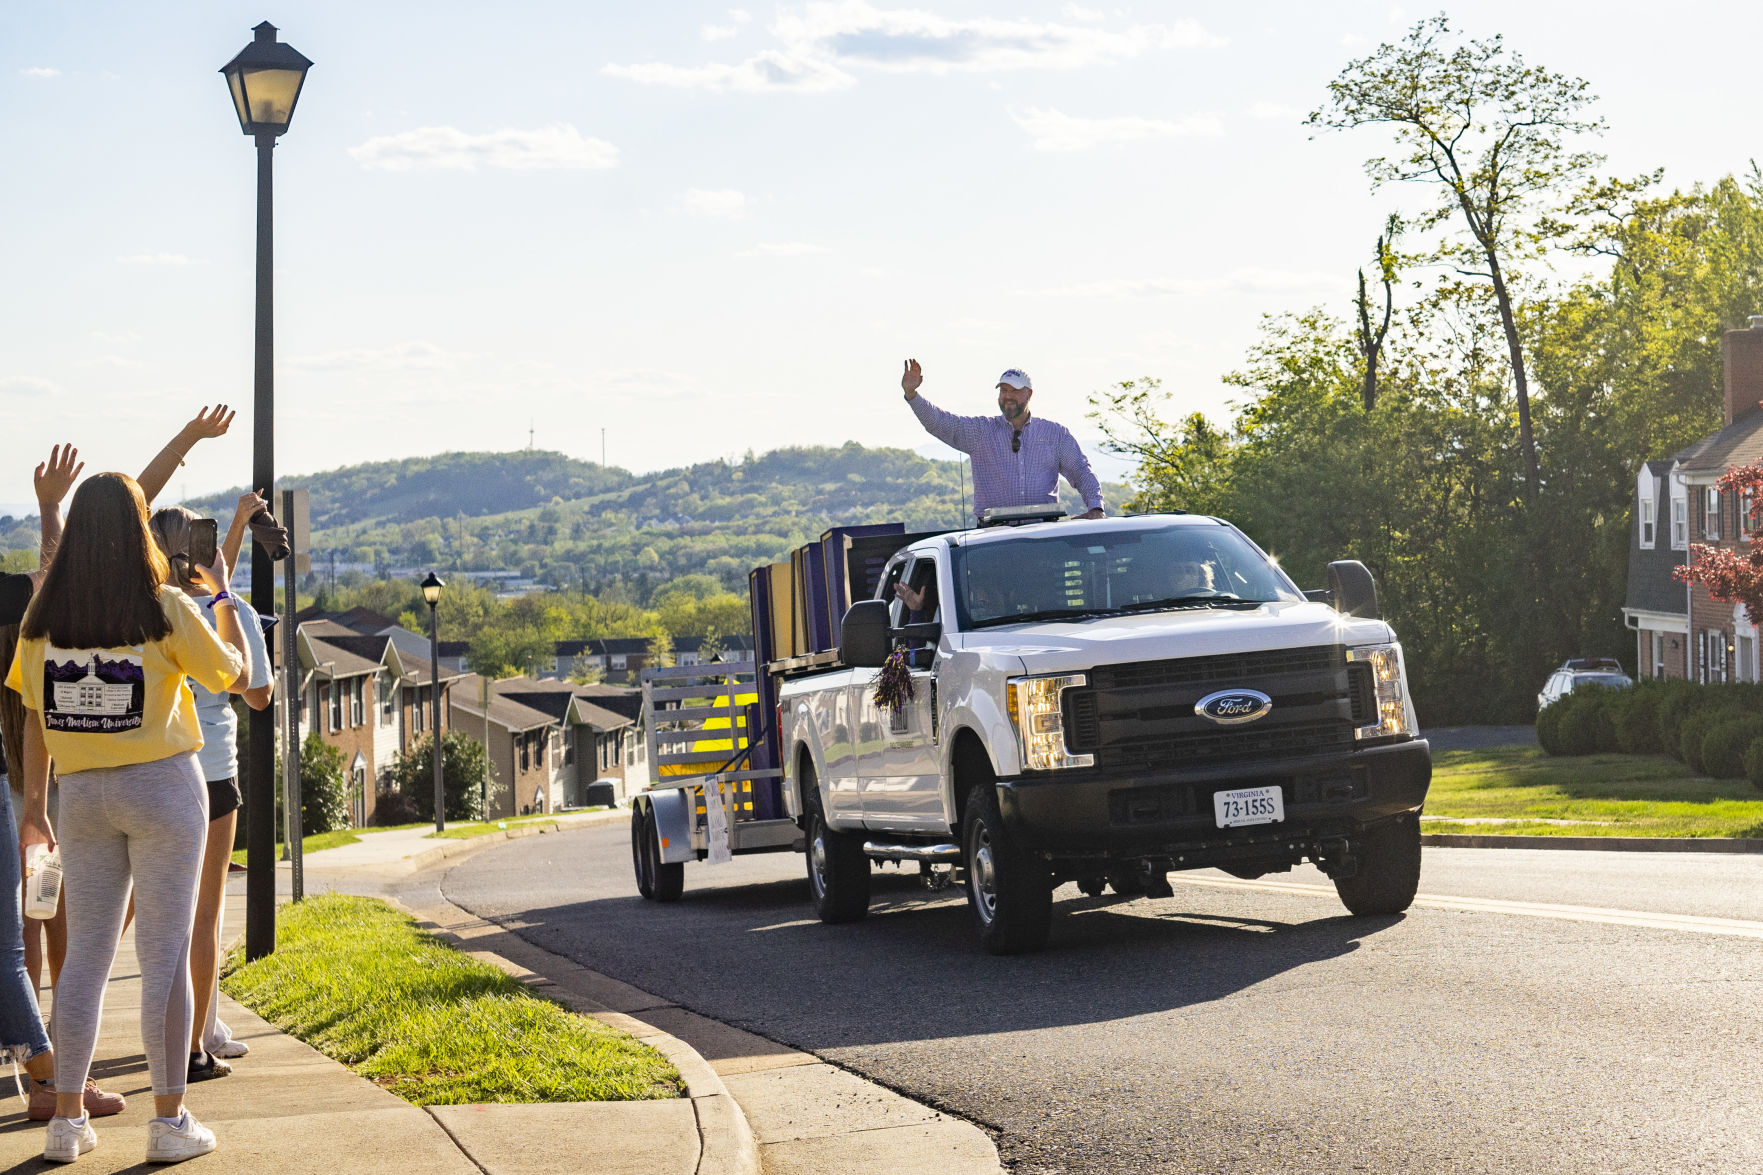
416, 355
27, 385
1352, 41
127, 336
739, 15
154, 259
1079, 12
782, 249
819, 44
1275, 111
40, 71
559, 147
1244, 280
715, 203
717, 32
110, 361
1398, 15
1054, 131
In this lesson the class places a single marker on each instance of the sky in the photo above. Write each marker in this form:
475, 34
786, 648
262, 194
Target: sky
708, 229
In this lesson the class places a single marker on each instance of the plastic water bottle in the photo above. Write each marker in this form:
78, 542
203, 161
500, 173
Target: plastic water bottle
42, 882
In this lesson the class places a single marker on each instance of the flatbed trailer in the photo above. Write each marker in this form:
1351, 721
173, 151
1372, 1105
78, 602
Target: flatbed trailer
718, 780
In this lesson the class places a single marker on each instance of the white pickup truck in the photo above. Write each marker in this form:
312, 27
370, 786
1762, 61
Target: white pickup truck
1104, 702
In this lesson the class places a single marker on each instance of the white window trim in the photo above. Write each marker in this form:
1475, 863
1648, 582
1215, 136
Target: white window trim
1711, 513
1680, 524
1649, 524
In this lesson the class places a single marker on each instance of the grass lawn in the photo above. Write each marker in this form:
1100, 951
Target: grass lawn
309, 844
484, 828
1521, 790
358, 981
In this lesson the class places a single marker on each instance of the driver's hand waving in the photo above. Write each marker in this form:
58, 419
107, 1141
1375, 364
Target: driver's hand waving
911, 378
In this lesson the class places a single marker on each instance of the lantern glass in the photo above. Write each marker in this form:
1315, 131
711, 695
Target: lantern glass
269, 95
431, 588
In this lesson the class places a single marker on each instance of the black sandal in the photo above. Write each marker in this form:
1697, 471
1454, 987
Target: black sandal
205, 1066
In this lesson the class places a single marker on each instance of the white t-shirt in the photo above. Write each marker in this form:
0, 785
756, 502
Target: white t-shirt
219, 755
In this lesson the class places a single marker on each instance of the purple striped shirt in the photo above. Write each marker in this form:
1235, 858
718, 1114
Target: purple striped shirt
1001, 477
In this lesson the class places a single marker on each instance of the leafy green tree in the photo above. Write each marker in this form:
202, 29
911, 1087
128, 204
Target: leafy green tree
464, 768
324, 789
1492, 133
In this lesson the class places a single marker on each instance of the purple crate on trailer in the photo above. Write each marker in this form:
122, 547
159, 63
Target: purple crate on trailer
823, 631
832, 548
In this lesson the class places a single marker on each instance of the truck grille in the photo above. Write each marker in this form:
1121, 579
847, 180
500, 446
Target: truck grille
1141, 716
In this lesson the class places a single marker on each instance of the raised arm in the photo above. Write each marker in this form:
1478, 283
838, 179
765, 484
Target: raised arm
1076, 469
251, 504
958, 432
209, 422
52, 480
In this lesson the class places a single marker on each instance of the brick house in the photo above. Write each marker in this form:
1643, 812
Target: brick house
366, 693
1680, 630
597, 740
524, 745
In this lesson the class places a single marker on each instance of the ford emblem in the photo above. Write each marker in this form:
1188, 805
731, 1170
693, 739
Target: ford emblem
1232, 707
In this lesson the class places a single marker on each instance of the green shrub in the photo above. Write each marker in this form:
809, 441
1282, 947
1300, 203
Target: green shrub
464, 768
1549, 728
1635, 713
1680, 699
1724, 746
1754, 764
1586, 726
1693, 733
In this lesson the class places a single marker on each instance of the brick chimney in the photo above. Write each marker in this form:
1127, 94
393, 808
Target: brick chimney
1742, 351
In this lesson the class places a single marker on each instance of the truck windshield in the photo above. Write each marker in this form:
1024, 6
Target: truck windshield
1090, 571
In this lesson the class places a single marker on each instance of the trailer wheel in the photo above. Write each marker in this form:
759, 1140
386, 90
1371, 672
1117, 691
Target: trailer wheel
1008, 890
656, 880
1389, 869
838, 871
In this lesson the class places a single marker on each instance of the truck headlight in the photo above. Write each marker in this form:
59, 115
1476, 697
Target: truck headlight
1035, 711
1393, 714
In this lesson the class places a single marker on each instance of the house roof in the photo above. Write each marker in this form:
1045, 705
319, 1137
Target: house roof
1651, 587
559, 698
504, 712
361, 621
617, 698
1739, 443
333, 660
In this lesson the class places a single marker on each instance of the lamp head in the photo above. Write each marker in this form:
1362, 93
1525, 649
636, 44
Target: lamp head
265, 80
431, 589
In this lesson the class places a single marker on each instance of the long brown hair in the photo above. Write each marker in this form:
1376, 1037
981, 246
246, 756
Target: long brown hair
170, 528
102, 588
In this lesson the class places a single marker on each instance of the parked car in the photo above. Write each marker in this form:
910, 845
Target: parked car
1600, 671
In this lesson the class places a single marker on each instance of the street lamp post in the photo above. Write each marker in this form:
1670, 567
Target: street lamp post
265, 81
431, 591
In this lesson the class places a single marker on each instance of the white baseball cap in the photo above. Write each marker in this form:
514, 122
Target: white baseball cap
1017, 379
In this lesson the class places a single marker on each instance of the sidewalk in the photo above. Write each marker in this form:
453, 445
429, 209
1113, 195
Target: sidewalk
750, 1103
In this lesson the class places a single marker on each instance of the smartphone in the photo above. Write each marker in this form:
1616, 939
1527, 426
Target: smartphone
204, 533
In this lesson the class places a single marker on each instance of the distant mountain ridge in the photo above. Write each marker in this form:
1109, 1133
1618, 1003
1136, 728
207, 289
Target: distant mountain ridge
564, 522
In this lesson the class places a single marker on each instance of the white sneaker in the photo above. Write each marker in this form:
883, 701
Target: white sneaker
69, 1138
221, 1043
172, 1140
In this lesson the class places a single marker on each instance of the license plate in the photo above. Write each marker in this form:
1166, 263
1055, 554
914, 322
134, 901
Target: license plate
1249, 805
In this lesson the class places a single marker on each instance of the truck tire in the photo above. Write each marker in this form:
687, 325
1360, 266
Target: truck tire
1389, 869
1008, 890
656, 880
838, 870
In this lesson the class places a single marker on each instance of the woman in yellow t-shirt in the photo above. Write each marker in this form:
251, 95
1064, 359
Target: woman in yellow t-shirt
103, 655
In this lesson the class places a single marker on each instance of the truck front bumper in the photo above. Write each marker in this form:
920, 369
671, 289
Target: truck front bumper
1102, 816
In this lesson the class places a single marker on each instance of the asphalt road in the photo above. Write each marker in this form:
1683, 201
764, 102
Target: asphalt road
1229, 1028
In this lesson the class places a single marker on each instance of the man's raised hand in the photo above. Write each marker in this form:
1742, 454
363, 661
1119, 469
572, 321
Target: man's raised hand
211, 422
911, 378
56, 476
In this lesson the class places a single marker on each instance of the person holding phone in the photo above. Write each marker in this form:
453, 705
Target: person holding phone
188, 542
104, 652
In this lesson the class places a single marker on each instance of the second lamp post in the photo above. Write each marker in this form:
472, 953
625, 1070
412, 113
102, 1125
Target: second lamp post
431, 591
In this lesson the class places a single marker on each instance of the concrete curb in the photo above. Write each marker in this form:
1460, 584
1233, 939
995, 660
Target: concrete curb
726, 1145
453, 848
1608, 844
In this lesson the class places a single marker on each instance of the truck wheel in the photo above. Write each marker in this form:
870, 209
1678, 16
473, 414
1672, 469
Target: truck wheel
838, 872
1389, 869
1008, 889
1126, 881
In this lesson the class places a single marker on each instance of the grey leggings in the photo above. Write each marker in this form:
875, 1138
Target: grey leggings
147, 822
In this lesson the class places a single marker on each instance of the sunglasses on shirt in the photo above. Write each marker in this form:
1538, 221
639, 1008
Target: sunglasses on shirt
1016, 442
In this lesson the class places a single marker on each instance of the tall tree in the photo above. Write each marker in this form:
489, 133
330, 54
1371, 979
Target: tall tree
1492, 132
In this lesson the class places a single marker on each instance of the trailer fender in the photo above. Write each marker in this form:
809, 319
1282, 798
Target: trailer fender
672, 809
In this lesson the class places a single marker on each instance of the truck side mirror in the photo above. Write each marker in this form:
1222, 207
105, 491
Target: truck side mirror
863, 636
1352, 588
